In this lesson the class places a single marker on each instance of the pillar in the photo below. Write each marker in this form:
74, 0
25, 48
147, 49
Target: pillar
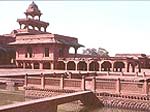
65, 65
118, 86
23, 65
99, 66
44, 29
42, 81
126, 67
76, 65
94, 84
75, 52
52, 66
62, 82
41, 65
26, 80
145, 87
88, 64
32, 65
112, 63
139, 67
83, 83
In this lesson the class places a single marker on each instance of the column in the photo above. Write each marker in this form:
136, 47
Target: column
52, 65
42, 81
99, 66
76, 65
83, 83
41, 65
26, 80
32, 66
62, 82
75, 52
23, 65
112, 63
44, 29
126, 67
118, 85
94, 84
145, 87
88, 68
65, 65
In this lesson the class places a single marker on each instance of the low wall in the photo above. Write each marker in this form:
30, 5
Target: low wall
41, 93
131, 92
122, 86
125, 101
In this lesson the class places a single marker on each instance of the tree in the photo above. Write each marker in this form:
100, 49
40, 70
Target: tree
100, 52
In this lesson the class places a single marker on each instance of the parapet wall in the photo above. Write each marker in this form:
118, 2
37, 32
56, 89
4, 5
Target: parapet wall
131, 91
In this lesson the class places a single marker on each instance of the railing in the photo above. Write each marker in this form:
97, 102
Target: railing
44, 82
121, 86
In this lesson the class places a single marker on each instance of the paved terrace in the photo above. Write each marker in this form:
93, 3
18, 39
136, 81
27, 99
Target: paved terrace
19, 72
23, 72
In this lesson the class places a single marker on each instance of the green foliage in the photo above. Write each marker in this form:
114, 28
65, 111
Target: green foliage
100, 52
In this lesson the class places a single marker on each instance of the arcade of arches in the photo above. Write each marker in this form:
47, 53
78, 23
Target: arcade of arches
84, 65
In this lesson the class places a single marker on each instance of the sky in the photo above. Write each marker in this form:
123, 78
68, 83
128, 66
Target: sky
117, 26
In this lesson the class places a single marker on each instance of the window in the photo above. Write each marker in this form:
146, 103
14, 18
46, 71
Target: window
46, 52
29, 52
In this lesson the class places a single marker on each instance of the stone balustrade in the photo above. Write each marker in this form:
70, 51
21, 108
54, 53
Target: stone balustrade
135, 85
44, 82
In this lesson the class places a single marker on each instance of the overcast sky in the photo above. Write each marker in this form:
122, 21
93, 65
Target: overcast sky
117, 26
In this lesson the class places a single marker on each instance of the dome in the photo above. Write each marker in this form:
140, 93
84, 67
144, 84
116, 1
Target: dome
33, 10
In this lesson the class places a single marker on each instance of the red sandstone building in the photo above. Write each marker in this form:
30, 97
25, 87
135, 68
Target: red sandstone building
38, 49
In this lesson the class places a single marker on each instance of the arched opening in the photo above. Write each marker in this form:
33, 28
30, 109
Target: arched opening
94, 66
31, 27
71, 65
131, 66
82, 65
71, 50
36, 28
20, 65
60, 65
36, 65
36, 17
42, 29
118, 66
106, 65
30, 17
46, 65
22, 26
28, 52
28, 65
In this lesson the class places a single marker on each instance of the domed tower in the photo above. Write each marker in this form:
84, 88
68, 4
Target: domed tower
31, 22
